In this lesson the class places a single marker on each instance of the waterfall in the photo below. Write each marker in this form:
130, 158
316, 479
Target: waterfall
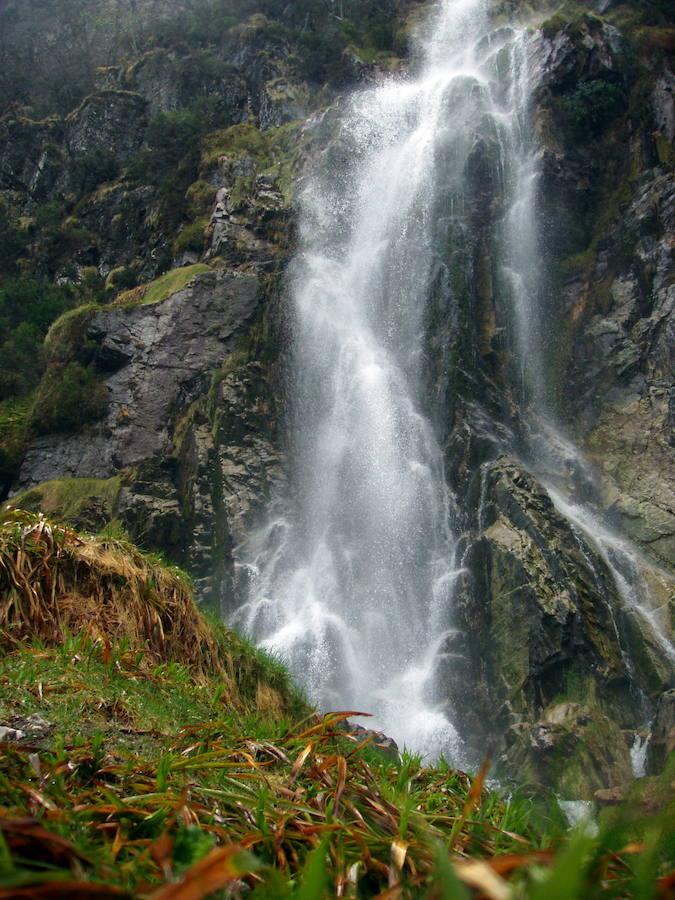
548, 451
353, 586
351, 580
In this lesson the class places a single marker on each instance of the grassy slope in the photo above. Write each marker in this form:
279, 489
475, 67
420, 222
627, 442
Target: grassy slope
164, 286
177, 768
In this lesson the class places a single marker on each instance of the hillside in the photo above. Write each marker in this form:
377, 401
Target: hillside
155, 755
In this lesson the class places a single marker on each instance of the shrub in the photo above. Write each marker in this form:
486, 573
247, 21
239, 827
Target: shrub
591, 107
94, 168
13, 242
27, 308
191, 238
69, 397
13, 415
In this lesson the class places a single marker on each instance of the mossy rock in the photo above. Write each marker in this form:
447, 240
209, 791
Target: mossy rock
201, 196
86, 503
162, 288
69, 397
190, 239
65, 339
238, 140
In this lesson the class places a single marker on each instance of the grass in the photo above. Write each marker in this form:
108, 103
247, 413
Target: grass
66, 498
13, 434
156, 291
159, 768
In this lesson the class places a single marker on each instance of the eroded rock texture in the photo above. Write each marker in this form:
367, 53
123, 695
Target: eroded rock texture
551, 667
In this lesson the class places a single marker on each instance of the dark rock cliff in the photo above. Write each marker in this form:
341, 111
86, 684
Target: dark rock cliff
175, 229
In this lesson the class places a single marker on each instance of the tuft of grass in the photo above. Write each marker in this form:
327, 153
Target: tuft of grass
68, 498
150, 786
13, 436
156, 291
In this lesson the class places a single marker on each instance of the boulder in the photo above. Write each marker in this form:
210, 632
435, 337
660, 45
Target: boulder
110, 121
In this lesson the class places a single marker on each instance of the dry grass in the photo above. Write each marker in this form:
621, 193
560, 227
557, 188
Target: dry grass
55, 582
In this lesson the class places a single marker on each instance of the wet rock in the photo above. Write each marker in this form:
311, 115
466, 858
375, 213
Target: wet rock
249, 222
123, 217
249, 460
539, 606
168, 351
621, 371
576, 749
663, 102
110, 121
31, 158
25, 728
589, 49
170, 79
662, 742
282, 100
377, 739
609, 797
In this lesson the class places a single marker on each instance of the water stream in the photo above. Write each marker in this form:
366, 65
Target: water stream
352, 582
357, 592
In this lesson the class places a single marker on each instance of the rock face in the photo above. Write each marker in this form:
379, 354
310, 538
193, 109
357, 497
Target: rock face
621, 369
157, 361
662, 742
555, 659
557, 672
113, 121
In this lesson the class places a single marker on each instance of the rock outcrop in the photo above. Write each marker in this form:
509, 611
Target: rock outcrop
191, 447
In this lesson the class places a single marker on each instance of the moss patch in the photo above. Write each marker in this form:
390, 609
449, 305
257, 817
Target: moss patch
162, 287
68, 331
85, 502
190, 239
13, 437
69, 397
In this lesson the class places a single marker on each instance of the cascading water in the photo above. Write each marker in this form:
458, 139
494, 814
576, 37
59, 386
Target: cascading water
352, 584
355, 588
547, 449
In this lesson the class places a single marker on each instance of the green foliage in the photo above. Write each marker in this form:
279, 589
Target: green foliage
94, 168
201, 196
13, 437
592, 106
238, 140
190, 238
170, 159
13, 241
65, 340
69, 397
170, 138
27, 308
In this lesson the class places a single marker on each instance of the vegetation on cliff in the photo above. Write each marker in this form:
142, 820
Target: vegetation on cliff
109, 204
147, 752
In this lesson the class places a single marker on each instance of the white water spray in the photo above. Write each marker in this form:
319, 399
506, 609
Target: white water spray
354, 586
352, 582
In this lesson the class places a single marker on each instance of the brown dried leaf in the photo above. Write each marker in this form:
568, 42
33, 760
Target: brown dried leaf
218, 868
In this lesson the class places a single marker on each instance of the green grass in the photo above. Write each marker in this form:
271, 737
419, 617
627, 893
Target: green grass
148, 775
13, 434
65, 498
163, 287
178, 761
